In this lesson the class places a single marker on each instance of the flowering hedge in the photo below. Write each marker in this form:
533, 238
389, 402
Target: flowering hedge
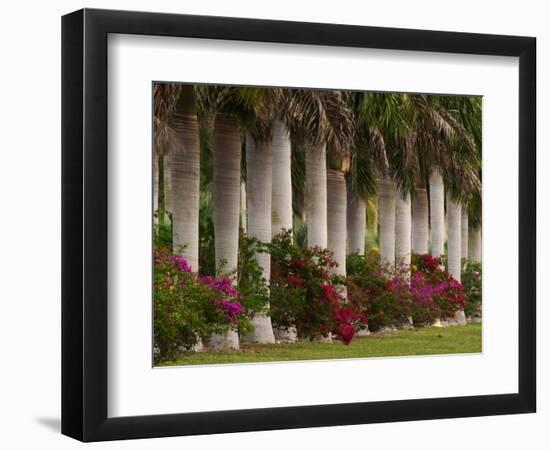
422, 291
304, 294
188, 307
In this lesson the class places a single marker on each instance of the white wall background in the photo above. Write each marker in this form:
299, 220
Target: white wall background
30, 226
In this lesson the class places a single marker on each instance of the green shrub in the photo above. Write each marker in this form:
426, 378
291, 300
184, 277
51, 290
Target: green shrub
471, 281
305, 295
188, 308
207, 252
162, 231
252, 285
383, 296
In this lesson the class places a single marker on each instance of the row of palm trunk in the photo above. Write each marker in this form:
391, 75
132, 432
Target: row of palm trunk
335, 216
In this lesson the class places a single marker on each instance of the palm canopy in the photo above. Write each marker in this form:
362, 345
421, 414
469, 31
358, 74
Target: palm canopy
381, 146
445, 141
165, 96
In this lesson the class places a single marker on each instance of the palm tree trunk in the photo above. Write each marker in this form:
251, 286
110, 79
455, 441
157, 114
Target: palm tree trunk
161, 189
454, 246
454, 243
356, 222
185, 179
336, 218
244, 213
437, 213
155, 180
282, 183
403, 238
167, 182
474, 244
403, 228
386, 217
226, 186
464, 235
259, 173
420, 221
316, 196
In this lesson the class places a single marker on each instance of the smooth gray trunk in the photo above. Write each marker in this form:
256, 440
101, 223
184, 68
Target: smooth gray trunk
316, 196
185, 181
356, 223
336, 218
386, 220
168, 197
474, 245
281, 196
403, 228
155, 181
464, 235
437, 213
226, 186
454, 246
244, 213
258, 198
420, 222
454, 242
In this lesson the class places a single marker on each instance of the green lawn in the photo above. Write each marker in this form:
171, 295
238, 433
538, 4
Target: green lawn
423, 341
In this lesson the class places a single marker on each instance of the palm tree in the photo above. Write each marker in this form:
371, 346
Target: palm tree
444, 146
454, 246
356, 220
185, 171
338, 161
155, 178
454, 241
464, 238
382, 127
165, 96
336, 222
437, 213
281, 203
367, 161
474, 244
420, 226
403, 227
259, 176
474, 225
386, 219
462, 171
315, 119
316, 195
226, 185
224, 104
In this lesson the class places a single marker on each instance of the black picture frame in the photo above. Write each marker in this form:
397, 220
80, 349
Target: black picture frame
84, 224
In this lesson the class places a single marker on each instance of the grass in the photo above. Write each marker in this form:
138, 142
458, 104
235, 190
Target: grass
422, 341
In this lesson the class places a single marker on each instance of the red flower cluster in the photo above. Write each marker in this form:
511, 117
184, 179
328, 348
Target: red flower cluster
347, 316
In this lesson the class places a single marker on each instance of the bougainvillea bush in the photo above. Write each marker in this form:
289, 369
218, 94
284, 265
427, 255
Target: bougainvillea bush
423, 290
382, 294
189, 308
435, 293
306, 295
471, 282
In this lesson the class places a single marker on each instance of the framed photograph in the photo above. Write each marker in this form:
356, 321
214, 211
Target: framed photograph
273, 225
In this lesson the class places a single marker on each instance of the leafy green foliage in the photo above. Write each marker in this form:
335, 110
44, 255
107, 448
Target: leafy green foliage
251, 281
188, 308
162, 232
207, 251
471, 281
